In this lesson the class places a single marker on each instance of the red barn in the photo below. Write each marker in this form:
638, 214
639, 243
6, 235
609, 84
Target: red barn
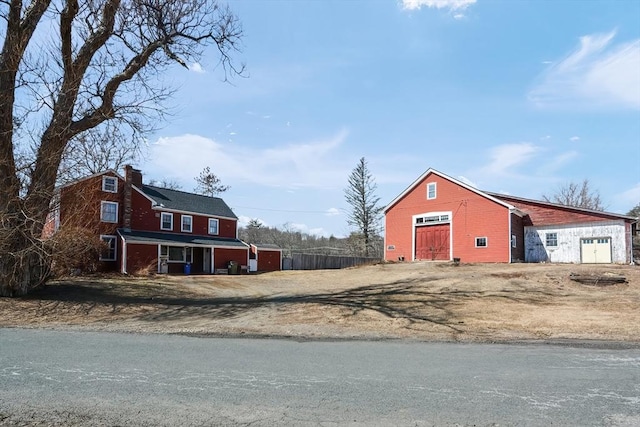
440, 218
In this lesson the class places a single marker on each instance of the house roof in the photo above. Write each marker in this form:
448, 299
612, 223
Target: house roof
455, 181
516, 199
267, 246
188, 202
179, 239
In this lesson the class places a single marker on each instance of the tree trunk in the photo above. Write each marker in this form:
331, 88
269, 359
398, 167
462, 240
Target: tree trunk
24, 261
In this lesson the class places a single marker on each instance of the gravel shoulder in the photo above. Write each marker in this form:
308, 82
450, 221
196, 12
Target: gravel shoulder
419, 301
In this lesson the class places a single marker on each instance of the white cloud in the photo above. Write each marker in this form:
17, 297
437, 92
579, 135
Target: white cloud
332, 212
304, 228
467, 181
631, 197
303, 165
244, 220
505, 157
196, 68
574, 139
437, 4
553, 164
598, 74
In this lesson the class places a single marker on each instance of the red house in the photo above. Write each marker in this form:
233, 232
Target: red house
440, 218
147, 227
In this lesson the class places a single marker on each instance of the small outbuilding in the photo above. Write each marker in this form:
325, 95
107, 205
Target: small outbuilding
265, 257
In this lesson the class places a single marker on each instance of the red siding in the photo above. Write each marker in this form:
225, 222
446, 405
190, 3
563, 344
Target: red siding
269, 260
80, 205
222, 256
472, 216
141, 257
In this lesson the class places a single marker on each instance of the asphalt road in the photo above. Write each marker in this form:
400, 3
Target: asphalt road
81, 378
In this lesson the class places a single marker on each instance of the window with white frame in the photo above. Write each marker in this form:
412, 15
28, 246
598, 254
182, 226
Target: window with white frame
551, 239
174, 253
187, 223
514, 242
109, 211
213, 226
481, 242
108, 252
166, 221
431, 190
110, 184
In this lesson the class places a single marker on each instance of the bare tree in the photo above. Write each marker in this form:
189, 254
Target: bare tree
163, 183
98, 150
208, 184
365, 212
579, 195
85, 65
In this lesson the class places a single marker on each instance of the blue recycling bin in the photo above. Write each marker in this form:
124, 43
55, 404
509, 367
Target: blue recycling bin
187, 268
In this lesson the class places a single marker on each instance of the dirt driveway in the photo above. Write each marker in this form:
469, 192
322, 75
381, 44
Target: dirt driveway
422, 301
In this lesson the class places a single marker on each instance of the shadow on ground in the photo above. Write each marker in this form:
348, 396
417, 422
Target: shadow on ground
410, 300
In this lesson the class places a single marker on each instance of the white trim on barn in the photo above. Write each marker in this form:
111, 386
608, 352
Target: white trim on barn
431, 218
569, 241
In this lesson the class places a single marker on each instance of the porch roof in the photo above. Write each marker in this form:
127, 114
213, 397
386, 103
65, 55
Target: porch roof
132, 236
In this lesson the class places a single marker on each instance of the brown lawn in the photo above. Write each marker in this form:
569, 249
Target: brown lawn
421, 301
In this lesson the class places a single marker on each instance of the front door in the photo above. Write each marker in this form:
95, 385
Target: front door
206, 260
432, 242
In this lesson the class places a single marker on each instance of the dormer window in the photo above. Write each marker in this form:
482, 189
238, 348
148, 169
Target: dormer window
110, 184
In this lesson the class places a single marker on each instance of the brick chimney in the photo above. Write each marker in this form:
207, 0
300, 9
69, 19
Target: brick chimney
131, 177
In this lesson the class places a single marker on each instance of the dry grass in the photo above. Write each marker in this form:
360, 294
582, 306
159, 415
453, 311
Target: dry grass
424, 301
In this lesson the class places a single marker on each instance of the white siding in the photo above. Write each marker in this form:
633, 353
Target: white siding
568, 248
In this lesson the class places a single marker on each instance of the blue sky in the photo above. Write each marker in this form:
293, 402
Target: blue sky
518, 97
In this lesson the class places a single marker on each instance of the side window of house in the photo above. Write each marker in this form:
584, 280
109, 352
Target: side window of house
187, 221
514, 242
551, 239
108, 252
109, 211
110, 184
213, 226
481, 242
431, 190
166, 221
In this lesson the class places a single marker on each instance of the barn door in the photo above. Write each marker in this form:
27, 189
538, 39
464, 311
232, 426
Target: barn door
432, 242
596, 251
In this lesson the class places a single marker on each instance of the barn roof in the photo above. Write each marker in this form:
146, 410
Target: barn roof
521, 201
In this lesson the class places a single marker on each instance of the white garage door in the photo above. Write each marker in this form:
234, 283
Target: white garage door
596, 251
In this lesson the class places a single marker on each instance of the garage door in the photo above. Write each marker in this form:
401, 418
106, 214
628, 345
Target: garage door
596, 251
432, 242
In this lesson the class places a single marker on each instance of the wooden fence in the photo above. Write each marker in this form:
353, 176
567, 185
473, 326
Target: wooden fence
321, 262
